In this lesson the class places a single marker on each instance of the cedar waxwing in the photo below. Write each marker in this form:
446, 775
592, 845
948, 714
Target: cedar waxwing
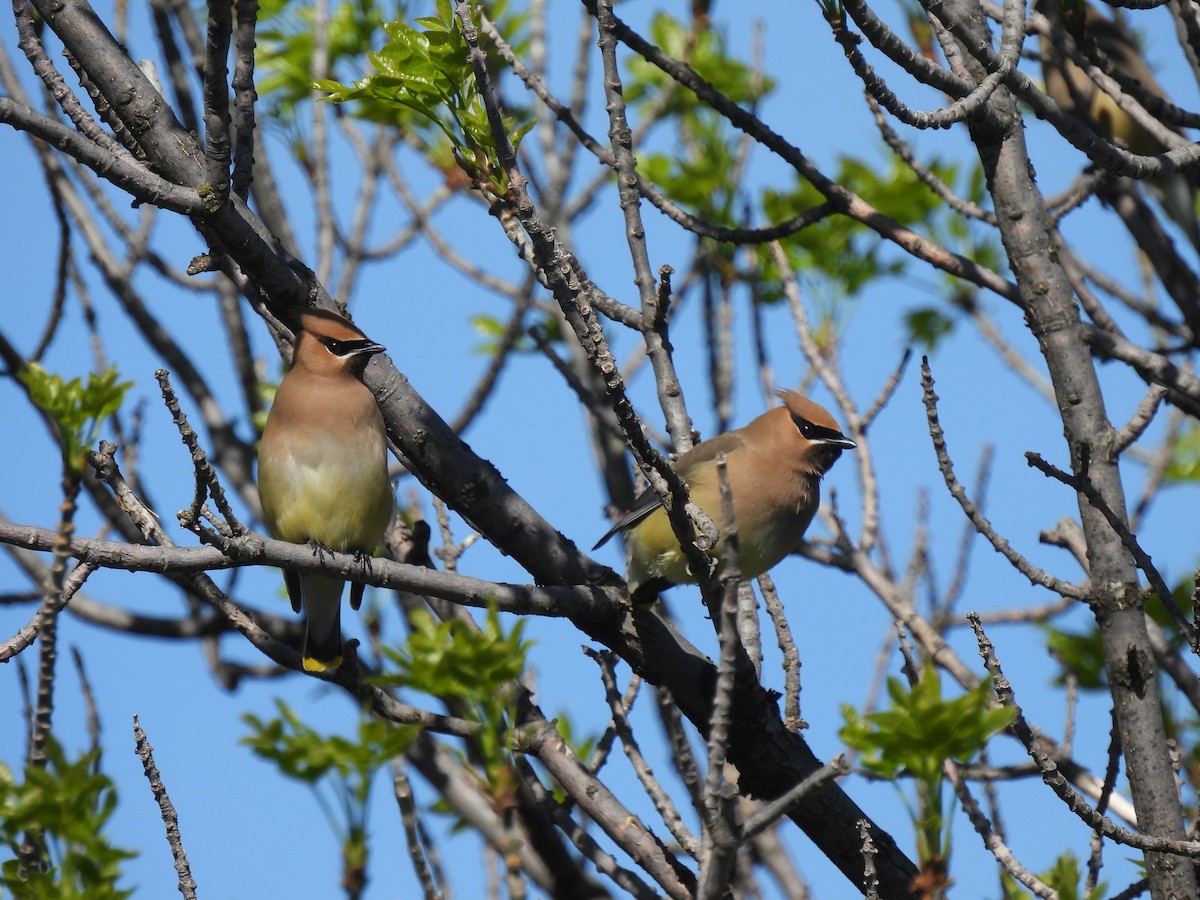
322, 469
1069, 87
774, 467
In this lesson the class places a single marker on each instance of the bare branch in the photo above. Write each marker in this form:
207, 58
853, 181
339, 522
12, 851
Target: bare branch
983, 526
145, 752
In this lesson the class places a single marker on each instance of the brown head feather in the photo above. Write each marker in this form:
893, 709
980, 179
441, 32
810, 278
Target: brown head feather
319, 333
801, 406
329, 324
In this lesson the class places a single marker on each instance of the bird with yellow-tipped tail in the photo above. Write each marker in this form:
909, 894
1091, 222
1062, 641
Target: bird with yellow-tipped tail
322, 469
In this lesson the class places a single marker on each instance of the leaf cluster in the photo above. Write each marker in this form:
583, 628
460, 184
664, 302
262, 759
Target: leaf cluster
921, 730
346, 766
1064, 876
839, 251
704, 50
77, 408
302, 753
475, 666
286, 41
917, 735
1185, 455
1080, 655
454, 658
701, 169
64, 808
428, 72
492, 334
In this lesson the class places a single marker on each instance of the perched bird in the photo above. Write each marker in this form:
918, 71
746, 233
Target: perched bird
322, 469
1071, 88
774, 466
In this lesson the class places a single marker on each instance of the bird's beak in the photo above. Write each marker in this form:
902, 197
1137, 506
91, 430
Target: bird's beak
369, 348
840, 441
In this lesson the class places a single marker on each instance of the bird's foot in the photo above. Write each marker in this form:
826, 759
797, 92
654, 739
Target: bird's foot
319, 550
358, 588
363, 558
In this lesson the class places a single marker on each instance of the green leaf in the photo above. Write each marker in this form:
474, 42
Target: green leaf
701, 172
78, 409
842, 256
69, 804
581, 745
1185, 455
452, 658
1079, 654
705, 52
918, 734
304, 754
927, 327
284, 53
339, 770
475, 665
1065, 877
427, 73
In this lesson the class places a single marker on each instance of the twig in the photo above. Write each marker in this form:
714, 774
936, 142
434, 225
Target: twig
931, 179
500, 356
121, 170
1084, 486
654, 305
992, 839
89, 702
27, 634
962, 564
982, 525
792, 720
604, 862
1134, 890
1095, 860
571, 118
414, 833
33, 48
842, 200
564, 276
645, 775
577, 601
720, 834
888, 389
681, 749
1141, 419
318, 168
1054, 778
145, 752
206, 476
607, 811
604, 745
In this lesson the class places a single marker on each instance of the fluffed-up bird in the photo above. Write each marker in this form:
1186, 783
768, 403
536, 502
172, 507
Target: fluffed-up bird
774, 467
1071, 88
322, 469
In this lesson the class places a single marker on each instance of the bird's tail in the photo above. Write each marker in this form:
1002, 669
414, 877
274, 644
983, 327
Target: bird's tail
322, 622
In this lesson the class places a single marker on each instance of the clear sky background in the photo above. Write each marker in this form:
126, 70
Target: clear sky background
248, 832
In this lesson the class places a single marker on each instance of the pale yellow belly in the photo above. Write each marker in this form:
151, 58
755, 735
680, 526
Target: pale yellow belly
345, 508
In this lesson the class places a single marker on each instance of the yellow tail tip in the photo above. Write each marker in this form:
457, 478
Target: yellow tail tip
317, 665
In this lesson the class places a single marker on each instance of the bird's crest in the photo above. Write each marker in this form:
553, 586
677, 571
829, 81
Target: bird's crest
326, 323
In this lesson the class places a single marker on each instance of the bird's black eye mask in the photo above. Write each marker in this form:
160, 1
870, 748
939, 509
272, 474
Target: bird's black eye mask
816, 433
345, 348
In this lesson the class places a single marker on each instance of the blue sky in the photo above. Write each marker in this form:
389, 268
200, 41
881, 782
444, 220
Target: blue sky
248, 833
